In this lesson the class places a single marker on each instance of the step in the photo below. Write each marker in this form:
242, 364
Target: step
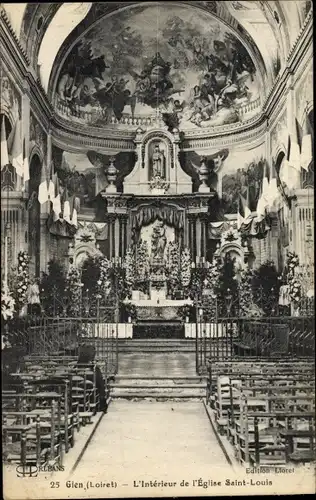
153, 393
160, 377
157, 386
174, 396
133, 350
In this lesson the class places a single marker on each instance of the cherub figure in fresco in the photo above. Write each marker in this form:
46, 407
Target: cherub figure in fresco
113, 97
172, 113
203, 105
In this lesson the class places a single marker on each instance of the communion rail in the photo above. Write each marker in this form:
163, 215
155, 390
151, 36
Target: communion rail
62, 337
241, 337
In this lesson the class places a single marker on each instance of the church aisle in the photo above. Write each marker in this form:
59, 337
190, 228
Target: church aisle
152, 441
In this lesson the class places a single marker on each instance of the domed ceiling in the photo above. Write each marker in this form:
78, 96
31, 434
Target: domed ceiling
180, 63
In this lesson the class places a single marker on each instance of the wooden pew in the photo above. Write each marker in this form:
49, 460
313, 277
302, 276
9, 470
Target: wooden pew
37, 426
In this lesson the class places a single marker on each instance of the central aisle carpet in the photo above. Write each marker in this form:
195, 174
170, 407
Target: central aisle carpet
152, 441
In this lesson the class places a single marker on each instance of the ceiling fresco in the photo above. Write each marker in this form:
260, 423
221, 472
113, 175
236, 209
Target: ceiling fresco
147, 60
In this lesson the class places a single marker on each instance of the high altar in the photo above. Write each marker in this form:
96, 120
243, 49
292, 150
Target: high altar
157, 203
156, 210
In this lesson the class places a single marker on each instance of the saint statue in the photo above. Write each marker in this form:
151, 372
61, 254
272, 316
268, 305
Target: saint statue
158, 240
158, 162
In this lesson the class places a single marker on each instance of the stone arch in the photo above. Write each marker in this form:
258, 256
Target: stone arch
153, 136
234, 250
279, 157
81, 253
36, 151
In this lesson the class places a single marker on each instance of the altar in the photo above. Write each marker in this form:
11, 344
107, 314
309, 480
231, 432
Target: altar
159, 310
155, 225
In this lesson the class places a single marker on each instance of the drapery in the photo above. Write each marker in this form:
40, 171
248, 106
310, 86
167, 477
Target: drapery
168, 214
66, 230
256, 229
215, 229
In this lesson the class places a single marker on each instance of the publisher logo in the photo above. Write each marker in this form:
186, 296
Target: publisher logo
26, 470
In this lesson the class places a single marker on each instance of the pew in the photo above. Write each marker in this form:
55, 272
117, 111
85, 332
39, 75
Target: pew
265, 407
45, 404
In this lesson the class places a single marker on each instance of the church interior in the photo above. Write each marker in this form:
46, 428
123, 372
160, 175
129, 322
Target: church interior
157, 214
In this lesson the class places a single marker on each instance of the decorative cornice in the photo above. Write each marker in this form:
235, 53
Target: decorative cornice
304, 39
13, 34
298, 41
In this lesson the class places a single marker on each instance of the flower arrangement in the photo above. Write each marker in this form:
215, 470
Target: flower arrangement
185, 269
130, 270
266, 287
185, 312
295, 288
212, 277
22, 279
142, 260
142, 267
73, 290
246, 301
53, 289
130, 310
103, 283
173, 269
7, 305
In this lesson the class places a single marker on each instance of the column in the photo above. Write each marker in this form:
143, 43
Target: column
45, 211
198, 236
117, 237
274, 241
186, 232
124, 235
203, 235
220, 183
111, 222
25, 122
194, 235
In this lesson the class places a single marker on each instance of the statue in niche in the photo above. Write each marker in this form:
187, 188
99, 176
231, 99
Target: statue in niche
158, 240
158, 163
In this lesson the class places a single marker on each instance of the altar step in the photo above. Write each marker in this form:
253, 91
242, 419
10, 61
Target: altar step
160, 388
156, 345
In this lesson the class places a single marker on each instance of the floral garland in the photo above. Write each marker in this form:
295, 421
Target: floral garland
295, 288
23, 279
7, 305
185, 269
73, 290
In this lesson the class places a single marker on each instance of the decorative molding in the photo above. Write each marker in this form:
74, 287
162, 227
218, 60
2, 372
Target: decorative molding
14, 36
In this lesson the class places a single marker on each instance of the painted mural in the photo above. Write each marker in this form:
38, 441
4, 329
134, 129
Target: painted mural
143, 61
242, 174
84, 175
